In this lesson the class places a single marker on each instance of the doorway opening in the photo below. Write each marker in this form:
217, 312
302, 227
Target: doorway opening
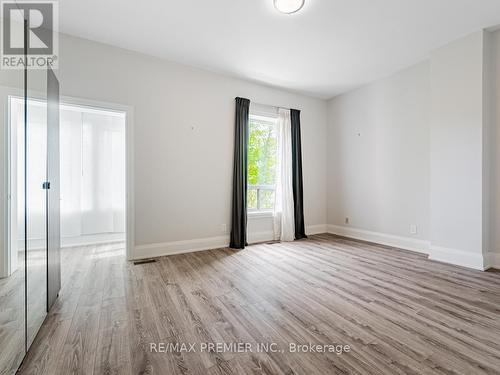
92, 175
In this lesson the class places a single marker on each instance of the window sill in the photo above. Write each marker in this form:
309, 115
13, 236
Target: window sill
260, 214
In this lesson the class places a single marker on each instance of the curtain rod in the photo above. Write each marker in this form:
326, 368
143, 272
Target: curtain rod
272, 106
268, 105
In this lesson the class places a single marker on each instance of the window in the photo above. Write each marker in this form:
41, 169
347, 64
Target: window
262, 158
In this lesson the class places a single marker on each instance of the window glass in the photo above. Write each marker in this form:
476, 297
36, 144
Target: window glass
262, 160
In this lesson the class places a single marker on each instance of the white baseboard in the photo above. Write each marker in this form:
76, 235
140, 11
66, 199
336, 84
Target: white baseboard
265, 236
179, 247
316, 229
446, 255
257, 237
496, 261
209, 243
191, 246
98, 239
405, 243
438, 253
84, 240
493, 260
467, 259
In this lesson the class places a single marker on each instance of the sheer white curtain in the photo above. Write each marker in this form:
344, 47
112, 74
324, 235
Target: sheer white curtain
284, 228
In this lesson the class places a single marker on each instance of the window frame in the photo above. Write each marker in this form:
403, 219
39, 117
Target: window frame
271, 118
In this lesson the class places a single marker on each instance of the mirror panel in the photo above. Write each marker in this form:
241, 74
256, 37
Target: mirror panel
53, 196
24, 203
36, 212
12, 254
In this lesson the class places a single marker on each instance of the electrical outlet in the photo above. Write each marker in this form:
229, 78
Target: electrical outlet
347, 220
413, 229
223, 228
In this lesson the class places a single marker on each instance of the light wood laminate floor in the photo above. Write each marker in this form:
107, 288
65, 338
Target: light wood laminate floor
399, 312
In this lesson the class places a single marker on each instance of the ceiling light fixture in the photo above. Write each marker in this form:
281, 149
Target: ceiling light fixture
289, 6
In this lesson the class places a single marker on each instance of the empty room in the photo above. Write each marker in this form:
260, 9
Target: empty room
237, 187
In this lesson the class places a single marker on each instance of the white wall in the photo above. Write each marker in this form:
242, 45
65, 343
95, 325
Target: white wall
416, 148
405, 150
489, 146
378, 156
456, 219
495, 223
380, 147
184, 120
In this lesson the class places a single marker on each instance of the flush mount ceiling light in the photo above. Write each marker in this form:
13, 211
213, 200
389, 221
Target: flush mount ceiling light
288, 6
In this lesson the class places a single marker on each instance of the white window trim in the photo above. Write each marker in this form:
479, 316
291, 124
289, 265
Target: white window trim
260, 188
266, 111
260, 214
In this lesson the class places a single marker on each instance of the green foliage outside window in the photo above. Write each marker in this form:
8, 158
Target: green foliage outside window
262, 157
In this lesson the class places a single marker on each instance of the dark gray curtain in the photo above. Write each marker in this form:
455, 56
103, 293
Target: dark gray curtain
239, 208
298, 190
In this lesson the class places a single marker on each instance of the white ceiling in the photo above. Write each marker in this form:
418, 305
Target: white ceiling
329, 47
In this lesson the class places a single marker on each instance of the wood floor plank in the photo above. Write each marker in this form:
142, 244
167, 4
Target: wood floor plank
399, 312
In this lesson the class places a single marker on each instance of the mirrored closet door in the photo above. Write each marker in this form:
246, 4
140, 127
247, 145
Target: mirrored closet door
29, 243
36, 205
12, 249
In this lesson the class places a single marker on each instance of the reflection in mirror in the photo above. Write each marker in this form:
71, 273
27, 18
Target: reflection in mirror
12, 332
36, 256
12, 254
